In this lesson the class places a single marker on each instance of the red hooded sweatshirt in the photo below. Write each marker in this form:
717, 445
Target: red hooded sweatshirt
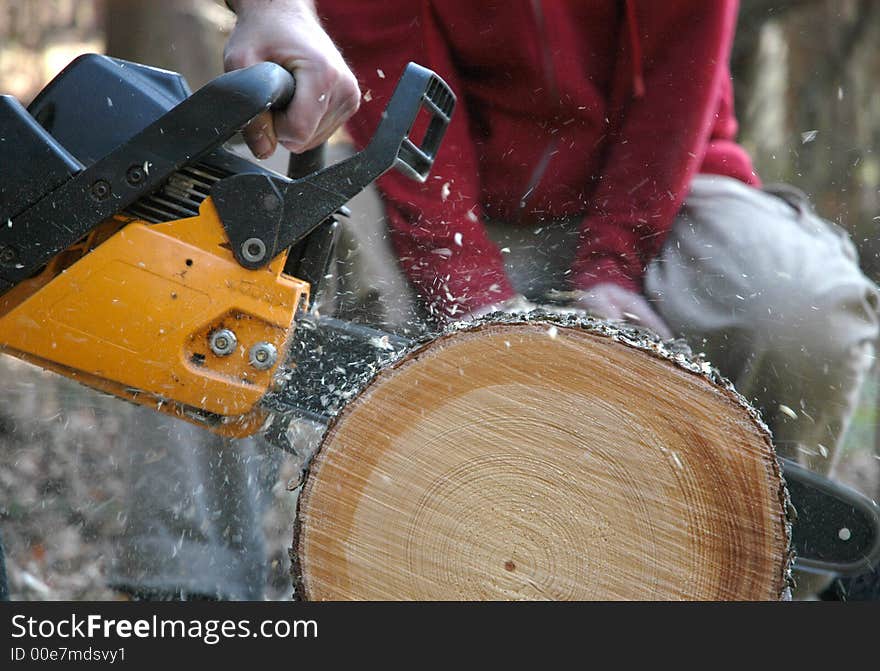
597, 108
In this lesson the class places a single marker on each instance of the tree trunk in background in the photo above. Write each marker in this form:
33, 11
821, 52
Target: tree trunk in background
186, 36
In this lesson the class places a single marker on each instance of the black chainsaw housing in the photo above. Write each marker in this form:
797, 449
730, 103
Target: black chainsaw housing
98, 103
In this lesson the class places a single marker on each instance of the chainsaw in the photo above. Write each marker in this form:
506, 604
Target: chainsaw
141, 256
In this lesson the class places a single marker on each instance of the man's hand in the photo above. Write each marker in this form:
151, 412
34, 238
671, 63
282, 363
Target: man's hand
613, 302
287, 32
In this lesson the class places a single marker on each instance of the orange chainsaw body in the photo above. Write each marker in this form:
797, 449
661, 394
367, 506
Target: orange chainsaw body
130, 311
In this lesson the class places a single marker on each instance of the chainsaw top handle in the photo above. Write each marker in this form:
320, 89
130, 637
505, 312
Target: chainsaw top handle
196, 125
265, 214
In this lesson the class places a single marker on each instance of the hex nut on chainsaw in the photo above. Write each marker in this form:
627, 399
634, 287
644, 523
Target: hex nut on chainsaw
100, 190
8, 256
253, 250
222, 342
263, 355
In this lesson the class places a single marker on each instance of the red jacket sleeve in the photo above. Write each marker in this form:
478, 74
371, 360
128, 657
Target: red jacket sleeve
665, 122
436, 227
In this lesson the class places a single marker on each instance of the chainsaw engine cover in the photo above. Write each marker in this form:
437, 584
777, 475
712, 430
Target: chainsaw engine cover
98, 103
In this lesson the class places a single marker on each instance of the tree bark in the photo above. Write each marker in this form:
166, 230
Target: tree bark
536, 458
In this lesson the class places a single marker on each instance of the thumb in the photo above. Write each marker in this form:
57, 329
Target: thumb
259, 135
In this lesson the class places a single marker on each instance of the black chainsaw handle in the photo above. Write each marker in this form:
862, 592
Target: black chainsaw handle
195, 126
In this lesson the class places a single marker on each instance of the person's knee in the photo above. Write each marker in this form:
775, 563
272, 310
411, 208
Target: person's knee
819, 324
787, 276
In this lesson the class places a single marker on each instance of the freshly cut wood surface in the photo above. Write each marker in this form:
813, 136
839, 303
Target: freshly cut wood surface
536, 461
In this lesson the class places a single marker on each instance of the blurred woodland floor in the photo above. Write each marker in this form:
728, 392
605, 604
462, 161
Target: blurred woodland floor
63, 488
805, 72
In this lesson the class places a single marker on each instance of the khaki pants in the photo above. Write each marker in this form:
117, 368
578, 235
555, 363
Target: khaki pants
773, 294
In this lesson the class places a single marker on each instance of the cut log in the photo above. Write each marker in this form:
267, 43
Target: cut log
533, 459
